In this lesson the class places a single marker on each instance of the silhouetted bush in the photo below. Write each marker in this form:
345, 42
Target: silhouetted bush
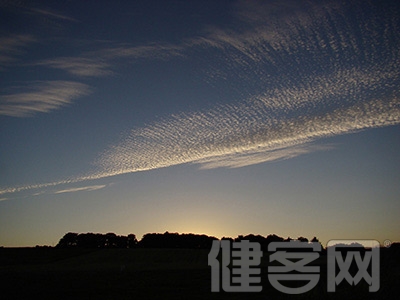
97, 240
160, 240
176, 240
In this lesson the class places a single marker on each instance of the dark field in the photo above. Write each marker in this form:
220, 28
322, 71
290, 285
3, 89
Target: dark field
49, 273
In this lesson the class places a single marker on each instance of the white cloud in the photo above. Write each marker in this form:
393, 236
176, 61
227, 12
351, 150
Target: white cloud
319, 88
245, 159
80, 189
21, 188
43, 97
238, 136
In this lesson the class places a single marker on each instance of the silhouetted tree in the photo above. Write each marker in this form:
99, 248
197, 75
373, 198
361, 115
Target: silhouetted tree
161, 240
132, 241
176, 240
314, 240
69, 240
121, 241
111, 240
88, 240
97, 240
273, 238
252, 238
302, 239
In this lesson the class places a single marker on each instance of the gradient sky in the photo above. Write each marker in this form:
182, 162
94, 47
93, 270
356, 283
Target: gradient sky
215, 117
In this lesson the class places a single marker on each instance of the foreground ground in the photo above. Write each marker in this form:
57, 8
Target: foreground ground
48, 273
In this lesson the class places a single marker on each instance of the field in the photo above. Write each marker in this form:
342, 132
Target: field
48, 273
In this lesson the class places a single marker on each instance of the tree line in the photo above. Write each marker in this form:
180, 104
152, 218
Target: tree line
161, 240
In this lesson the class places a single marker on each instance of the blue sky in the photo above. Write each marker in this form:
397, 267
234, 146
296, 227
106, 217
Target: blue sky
215, 117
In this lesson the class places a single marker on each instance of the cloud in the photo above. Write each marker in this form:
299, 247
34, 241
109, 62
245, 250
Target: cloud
235, 136
298, 78
17, 189
150, 51
80, 189
79, 66
12, 46
52, 184
52, 14
248, 158
101, 62
43, 96
27, 7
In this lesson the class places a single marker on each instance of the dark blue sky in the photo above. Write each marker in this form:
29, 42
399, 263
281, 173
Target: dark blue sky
215, 117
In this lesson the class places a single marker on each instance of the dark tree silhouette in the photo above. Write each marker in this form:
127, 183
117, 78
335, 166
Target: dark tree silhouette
69, 240
314, 240
176, 240
97, 240
274, 238
161, 240
132, 241
302, 239
264, 241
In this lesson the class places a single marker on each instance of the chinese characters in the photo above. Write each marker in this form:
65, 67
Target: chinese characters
236, 265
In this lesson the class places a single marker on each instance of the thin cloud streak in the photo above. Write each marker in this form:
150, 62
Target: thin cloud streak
101, 62
12, 46
80, 189
22, 188
79, 66
257, 157
43, 97
27, 8
52, 14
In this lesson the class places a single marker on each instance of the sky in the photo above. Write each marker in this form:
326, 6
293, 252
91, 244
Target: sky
221, 117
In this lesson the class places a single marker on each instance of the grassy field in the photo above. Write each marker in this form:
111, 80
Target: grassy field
49, 273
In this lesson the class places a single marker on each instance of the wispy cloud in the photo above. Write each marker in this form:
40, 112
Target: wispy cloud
80, 189
238, 135
150, 51
298, 79
11, 46
102, 62
33, 9
52, 14
17, 189
248, 158
79, 66
43, 96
